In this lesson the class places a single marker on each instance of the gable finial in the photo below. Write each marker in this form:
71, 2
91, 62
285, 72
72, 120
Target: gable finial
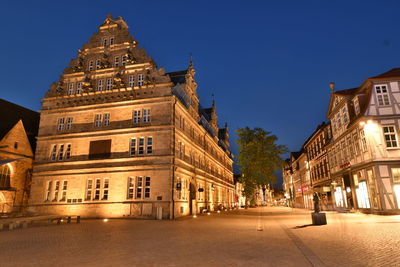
332, 86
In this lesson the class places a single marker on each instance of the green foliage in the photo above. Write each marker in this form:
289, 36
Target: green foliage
259, 158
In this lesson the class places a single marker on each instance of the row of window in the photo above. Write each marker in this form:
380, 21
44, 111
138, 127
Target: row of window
60, 152
319, 171
138, 187
198, 139
138, 115
105, 84
56, 191
349, 147
318, 144
137, 146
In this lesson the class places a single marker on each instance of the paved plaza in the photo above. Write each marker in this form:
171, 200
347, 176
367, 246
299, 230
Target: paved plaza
267, 236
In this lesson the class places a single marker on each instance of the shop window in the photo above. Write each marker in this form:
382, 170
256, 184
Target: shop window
396, 175
362, 195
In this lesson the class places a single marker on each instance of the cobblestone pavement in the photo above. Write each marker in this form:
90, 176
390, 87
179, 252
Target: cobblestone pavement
266, 236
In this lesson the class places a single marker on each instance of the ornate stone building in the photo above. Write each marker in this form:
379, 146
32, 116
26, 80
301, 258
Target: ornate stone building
18, 129
119, 136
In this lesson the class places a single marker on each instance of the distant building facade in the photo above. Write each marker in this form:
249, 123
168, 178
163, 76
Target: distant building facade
120, 137
362, 153
18, 129
318, 164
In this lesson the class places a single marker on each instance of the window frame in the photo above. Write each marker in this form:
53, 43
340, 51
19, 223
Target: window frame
380, 96
394, 133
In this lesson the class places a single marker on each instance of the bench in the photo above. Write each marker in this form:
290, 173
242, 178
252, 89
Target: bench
25, 221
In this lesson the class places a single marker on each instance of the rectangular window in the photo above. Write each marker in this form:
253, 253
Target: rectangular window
345, 115
356, 143
147, 188
97, 190
105, 42
123, 60
390, 136
139, 185
116, 61
132, 147
149, 145
97, 120
89, 188
79, 88
105, 189
382, 95
53, 154
131, 81
64, 191
350, 146
56, 190
356, 106
68, 152
100, 85
136, 116
396, 175
98, 64
109, 85
61, 153
68, 125
60, 124
131, 188
91, 65
363, 140
111, 40
146, 115
141, 146
338, 120
48, 191
106, 119
70, 89
140, 79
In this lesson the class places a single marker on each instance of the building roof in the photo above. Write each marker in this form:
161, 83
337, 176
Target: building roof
347, 92
178, 76
296, 154
11, 113
389, 74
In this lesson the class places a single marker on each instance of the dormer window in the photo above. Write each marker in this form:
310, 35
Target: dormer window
111, 40
105, 41
123, 60
338, 121
140, 79
356, 106
79, 88
382, 95
100, 85
116, 61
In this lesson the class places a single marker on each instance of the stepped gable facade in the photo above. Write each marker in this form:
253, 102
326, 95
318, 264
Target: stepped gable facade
119, 136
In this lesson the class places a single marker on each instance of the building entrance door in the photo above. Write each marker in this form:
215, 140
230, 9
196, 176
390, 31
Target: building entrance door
192, 199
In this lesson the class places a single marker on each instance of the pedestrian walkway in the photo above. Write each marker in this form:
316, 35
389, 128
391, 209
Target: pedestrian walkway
265, 236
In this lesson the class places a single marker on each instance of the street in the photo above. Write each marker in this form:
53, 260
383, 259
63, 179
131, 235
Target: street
266, 236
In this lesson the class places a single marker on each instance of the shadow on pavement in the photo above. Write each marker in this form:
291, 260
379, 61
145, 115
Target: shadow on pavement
304, 226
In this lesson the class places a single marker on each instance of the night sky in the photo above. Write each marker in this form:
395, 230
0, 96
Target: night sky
268, 63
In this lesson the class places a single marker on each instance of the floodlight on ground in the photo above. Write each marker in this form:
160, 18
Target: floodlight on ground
194, 216
105, 220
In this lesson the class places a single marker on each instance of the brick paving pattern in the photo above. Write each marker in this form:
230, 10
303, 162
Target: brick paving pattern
227, 239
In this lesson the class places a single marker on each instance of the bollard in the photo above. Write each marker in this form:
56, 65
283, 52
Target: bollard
69, 219
78, 219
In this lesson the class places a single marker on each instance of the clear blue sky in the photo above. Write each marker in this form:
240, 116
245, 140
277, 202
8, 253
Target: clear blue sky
269, 63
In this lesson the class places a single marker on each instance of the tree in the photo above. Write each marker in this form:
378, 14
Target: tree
259, 158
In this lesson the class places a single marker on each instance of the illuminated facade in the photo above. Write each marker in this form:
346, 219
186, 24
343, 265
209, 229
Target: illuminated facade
364, 155
18, 128
315, 148
120, 137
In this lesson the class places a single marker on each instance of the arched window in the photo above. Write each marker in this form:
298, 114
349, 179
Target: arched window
4, 176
